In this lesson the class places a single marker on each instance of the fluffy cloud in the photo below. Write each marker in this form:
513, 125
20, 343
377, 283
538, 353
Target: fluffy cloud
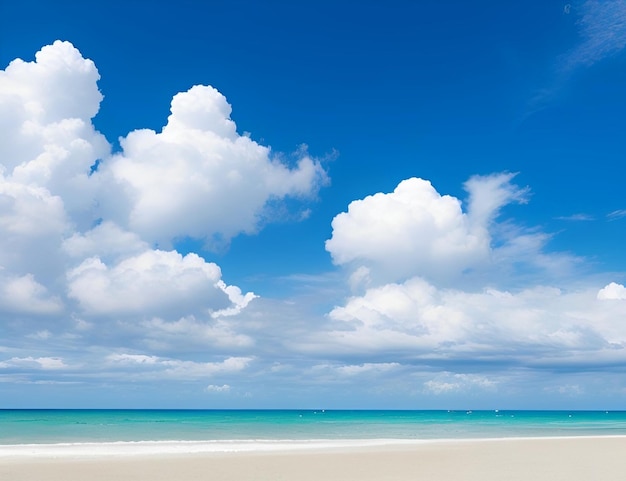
46, 107
199, 178
48, 147
612, 291
150, 283
32, 225
540, 326
416, 231
107, 241
30, 211
69, 90
80, 226
407, 246
412, 228
25, 295
91, 284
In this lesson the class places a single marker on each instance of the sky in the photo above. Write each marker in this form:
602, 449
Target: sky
237, 204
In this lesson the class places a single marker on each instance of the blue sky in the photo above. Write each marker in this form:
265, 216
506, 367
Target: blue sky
312, 204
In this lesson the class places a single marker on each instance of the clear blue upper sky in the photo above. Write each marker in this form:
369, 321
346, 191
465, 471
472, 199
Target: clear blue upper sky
498, 284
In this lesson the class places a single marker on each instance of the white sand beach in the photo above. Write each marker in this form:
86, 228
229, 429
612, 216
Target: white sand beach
537, 459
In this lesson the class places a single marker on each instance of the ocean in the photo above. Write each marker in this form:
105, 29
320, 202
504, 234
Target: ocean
220, 428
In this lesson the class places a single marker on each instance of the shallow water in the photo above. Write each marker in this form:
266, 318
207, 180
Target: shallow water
88, 426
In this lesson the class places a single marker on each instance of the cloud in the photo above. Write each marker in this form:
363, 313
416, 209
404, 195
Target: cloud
92, 286
25, 295
187, 332
447, 382
576, 218
413, 314
43, 363
107, 241
152, 190
412, 226
416, 321
602, 30
46, 107
30, 211
567, 389
151, 283
416, 231
489, 193
616, 214
224, 388
602, 26
366, 368
70, 91
32, 224
612, 291
133, 359
88, 238
198, 178
158, 367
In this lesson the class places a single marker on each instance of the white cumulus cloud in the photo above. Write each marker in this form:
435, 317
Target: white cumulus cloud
199, 178
421, 239
106, 240
612, 291
416, 320
150, 283
87, 237
46, 107
24, 294
414, 230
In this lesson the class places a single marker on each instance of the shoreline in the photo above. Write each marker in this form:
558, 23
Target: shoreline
253, 446
512, 459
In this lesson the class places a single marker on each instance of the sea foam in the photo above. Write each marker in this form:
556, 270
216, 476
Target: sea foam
150, 448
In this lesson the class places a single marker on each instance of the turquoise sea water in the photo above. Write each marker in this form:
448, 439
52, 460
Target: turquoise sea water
87, 426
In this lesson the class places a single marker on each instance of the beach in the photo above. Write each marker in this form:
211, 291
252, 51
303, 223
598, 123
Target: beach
524, 459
